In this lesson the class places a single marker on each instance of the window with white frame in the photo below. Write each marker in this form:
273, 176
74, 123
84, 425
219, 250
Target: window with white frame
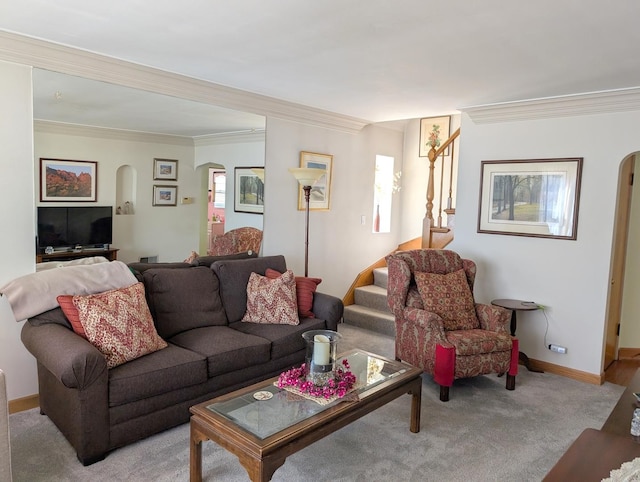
384, 186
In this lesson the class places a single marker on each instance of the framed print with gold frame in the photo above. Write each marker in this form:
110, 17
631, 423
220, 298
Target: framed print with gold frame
320, 195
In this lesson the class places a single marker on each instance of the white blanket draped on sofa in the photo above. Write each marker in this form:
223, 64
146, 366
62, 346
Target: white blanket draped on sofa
36, 293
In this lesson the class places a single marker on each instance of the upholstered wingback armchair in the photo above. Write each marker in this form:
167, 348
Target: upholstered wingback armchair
236, 241
439, 327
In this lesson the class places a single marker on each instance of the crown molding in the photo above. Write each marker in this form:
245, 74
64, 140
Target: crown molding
62, 128
603, 102
230, 138
59, 58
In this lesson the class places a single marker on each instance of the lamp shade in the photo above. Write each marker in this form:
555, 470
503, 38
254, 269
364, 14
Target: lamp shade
306, 176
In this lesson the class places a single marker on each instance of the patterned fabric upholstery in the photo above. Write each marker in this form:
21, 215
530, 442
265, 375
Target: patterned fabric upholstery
236, 241
423, 339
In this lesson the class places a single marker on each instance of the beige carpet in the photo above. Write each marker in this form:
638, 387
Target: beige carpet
484, 433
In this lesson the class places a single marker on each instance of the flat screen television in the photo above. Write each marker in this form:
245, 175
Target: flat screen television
88, 226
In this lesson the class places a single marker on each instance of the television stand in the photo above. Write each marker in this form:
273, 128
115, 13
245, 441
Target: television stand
110, 254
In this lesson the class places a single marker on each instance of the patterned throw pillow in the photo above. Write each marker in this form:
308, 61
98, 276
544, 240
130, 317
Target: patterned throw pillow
305, 288
449, 296
71, 312
119, 324
272, 300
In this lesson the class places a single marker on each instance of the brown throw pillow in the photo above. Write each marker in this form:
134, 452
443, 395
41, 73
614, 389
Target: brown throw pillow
449, 296
305, 288
272, 300
119, 324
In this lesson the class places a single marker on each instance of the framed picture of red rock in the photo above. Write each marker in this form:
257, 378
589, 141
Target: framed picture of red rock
63, 180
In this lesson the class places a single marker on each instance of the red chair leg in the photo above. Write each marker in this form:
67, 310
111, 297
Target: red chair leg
444, 393
511, 382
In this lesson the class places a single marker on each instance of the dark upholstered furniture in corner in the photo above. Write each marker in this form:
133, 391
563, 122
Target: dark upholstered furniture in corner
197, 310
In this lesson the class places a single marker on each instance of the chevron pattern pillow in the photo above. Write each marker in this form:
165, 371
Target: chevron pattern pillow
272, 301
119, 324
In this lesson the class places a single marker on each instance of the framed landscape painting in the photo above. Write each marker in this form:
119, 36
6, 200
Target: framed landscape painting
165, 195
64, 180
530, 197
165, 169
248, 190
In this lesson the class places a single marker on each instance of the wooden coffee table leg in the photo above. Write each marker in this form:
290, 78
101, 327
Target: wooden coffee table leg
416, 404
195, 452
261, 470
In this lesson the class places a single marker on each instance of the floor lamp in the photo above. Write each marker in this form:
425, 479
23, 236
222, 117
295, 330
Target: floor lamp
306, 177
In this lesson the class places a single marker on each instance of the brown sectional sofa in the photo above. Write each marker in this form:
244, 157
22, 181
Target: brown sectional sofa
197, 310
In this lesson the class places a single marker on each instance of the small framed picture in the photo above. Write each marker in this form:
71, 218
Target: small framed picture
66, 180
165, 169
165, 195
433, 132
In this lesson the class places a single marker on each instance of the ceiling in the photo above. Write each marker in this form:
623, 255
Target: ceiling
375, 60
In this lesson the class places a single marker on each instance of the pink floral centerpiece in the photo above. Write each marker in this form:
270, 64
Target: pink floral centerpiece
338, 386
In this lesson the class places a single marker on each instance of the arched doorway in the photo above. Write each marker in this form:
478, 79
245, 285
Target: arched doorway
621, 265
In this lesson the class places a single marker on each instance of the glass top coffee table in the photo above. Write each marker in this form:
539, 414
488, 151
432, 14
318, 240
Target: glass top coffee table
262, 424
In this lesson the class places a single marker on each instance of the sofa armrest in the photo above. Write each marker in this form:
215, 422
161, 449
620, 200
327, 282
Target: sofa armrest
329, 308
71, 359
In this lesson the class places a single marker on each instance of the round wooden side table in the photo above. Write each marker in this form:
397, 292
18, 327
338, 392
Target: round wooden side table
515, 306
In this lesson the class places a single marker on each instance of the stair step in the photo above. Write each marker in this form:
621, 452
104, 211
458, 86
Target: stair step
381, 277
372, 296
370, 319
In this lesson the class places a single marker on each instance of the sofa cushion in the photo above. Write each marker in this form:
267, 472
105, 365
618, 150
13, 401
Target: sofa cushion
156, 373
119, 324
449, 296
234, 276
305, 288
181, 299
272, 300
226, 349
285, 339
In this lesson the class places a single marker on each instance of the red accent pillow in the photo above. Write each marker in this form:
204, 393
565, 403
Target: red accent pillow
71, 312
305, 288
272, 300
118, 323
449, 296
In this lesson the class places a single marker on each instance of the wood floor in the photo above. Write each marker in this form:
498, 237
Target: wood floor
621, 371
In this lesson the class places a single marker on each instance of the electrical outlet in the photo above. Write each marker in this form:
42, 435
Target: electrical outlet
558, 349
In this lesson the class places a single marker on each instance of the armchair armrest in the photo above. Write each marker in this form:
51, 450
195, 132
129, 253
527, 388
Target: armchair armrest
493, 318
329, 308
71, 359
430, 322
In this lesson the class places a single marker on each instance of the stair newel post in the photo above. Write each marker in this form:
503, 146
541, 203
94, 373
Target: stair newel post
428, 218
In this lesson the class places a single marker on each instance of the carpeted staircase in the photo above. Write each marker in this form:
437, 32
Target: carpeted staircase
370, 310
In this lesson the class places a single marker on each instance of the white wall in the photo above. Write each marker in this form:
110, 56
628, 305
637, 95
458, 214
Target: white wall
570, 278
170, 232
339, 245
17, 218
